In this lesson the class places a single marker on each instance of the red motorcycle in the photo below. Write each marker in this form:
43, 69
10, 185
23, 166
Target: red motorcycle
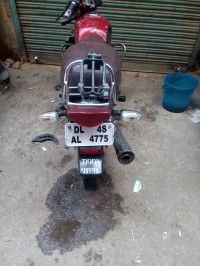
90, 80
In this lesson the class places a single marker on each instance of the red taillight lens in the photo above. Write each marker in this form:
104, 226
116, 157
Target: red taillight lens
88, 151
89, 116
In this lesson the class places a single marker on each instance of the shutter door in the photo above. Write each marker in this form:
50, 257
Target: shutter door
154, 31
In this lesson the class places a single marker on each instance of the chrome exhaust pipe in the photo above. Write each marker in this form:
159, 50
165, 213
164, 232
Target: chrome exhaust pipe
124, 153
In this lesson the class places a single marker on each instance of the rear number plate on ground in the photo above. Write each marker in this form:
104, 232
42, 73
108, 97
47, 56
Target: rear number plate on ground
76, 135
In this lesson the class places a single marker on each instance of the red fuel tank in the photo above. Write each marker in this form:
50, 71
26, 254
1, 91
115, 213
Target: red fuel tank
92, 23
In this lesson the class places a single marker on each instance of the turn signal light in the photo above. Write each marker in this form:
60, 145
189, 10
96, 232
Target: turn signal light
129, 115
51, 116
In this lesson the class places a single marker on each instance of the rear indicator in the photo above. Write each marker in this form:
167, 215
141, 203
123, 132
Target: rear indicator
129, 115
51, 116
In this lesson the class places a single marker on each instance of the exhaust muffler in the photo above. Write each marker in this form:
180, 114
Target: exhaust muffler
124, 153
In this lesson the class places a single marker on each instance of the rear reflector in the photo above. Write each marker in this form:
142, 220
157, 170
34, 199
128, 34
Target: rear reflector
90, 151
88, 116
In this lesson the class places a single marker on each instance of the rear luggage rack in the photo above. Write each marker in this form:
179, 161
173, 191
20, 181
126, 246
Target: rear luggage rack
89, 82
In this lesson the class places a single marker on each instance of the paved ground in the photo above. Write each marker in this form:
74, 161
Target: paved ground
46, 218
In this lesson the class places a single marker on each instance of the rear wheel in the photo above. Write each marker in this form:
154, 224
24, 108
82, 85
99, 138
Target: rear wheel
90, 182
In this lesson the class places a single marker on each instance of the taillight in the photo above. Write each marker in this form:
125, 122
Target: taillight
88, 116
88, 151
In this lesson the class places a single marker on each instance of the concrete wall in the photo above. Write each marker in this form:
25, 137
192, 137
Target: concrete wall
8, 39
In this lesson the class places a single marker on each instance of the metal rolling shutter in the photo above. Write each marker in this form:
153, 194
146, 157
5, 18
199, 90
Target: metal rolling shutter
155, 31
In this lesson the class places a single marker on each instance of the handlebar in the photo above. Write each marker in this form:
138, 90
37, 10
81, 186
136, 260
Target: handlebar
71, 8
76, 8
69, 12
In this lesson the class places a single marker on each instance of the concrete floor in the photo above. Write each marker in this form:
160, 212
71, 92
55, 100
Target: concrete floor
45, 216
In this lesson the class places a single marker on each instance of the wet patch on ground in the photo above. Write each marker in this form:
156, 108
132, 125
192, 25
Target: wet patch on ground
30, 262
50, 164
149, 113
66, 159
78, 216
92, 256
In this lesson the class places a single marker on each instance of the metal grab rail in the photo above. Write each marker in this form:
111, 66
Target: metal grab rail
85, 92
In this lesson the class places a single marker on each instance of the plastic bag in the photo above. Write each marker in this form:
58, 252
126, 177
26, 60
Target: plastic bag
194, 115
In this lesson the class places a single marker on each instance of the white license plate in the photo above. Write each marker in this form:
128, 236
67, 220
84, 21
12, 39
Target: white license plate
76, 135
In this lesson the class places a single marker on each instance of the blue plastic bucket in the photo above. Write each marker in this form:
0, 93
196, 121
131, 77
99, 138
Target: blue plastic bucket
178, 89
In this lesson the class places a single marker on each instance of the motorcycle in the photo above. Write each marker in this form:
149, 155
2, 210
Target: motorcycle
90, 81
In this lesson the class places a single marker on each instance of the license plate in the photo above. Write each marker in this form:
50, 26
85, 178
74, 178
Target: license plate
76, 135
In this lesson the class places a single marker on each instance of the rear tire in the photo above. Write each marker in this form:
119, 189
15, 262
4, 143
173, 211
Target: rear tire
90, 182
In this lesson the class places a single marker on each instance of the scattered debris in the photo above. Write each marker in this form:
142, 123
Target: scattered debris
57, 87
44, 149
4, 86
9, 62
194, 115
164, 235
35, 75
136, 261
32, 88
6, 64
137, 186
137, 75
182, 69
46, 137
132, 234
147, 163
16, 65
